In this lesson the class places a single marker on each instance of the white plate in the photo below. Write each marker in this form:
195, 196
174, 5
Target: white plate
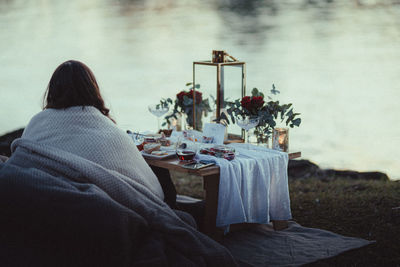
151, 156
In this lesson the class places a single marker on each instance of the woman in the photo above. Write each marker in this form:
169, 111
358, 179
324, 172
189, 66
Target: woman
75, 120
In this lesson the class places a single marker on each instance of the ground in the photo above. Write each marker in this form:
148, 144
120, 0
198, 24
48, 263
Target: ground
351, 207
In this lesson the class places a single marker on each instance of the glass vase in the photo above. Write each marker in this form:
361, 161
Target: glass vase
263, 141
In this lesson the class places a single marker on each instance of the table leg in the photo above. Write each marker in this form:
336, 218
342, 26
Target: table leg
211, 188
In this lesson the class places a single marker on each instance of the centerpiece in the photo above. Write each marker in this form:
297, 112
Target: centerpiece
184, 106
266, 112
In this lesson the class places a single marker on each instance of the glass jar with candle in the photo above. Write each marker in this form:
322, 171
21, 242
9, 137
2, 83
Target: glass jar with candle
280, 139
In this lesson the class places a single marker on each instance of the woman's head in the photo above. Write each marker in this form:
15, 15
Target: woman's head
73, 84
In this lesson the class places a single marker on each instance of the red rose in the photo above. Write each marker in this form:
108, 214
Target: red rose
257, 102
181, 95
246, 102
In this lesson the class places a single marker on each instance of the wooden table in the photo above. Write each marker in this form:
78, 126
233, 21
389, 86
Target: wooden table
210, 177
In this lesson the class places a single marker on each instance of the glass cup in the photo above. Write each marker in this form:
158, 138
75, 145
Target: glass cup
247, 123
158, 111
280, 139
186, 149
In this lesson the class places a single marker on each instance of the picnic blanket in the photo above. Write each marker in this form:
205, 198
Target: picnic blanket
294, 246
253, 187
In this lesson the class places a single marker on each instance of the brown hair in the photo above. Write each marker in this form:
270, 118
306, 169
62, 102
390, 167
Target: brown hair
74, 84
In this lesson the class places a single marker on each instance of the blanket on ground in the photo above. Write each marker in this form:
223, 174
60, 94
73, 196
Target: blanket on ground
60, 209
294, 246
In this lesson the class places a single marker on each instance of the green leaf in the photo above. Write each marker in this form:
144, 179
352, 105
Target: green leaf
274, 91
296, 122
224, 117
187, 101
290, 113
254, 92
190, 83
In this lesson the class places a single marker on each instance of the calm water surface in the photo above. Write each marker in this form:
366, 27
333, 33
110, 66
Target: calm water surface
337, 61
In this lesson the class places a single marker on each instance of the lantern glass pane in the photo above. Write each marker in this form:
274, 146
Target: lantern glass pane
206, 76
231, 81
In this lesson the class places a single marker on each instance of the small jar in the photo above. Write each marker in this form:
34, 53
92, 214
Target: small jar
280, 139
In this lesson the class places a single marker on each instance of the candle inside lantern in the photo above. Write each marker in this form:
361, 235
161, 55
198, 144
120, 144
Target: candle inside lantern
280, 139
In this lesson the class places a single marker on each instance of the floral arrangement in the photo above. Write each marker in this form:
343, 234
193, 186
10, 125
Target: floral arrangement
184, 105
267, 112
182, 94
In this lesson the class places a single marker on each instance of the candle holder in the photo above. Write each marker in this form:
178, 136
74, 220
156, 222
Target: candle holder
225, 66
280, 139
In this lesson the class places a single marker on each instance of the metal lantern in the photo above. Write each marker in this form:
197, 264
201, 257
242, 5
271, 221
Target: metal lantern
220, 60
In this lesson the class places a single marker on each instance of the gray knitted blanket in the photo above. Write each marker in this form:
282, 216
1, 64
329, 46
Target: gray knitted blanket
62, 209
87, 133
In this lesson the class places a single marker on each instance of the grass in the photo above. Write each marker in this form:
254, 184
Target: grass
355, 208
349, 207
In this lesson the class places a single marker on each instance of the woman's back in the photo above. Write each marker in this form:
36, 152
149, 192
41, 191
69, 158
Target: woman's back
85, 132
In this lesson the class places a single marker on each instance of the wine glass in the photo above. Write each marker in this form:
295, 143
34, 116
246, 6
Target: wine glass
158, 110
186, 149
247, 123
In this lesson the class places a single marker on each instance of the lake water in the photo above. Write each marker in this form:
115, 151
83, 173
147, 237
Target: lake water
338, 62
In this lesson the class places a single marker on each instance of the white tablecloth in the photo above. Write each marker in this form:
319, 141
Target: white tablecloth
253, 187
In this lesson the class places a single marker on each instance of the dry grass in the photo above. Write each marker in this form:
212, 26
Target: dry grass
355, 208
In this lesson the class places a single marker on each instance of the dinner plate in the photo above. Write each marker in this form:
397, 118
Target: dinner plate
151, 156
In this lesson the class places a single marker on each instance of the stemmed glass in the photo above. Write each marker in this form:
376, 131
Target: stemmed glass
186, 148
247, 123
158, 111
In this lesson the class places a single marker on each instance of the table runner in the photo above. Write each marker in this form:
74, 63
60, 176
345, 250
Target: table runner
253, 187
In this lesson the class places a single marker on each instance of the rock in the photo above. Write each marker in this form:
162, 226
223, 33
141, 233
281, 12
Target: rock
7, 139
305, 168
302, 168
355, 175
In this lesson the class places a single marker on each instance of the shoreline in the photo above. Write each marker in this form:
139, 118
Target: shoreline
297, 169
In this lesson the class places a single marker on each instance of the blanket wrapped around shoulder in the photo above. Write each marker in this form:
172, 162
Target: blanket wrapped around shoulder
86, 132
61, 209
